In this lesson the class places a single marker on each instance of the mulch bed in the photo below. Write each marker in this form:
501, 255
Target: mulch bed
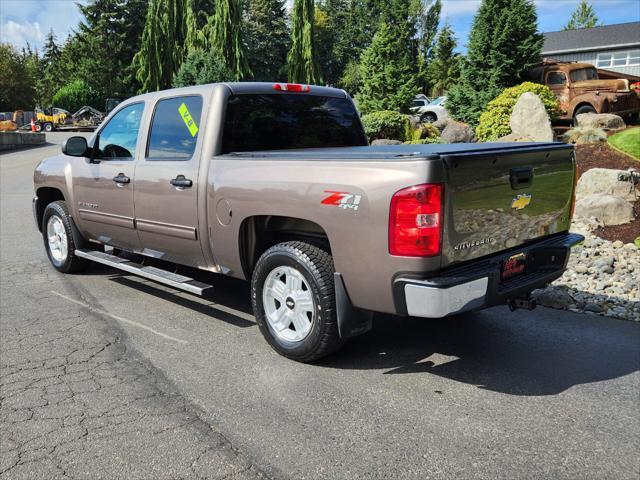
600, 155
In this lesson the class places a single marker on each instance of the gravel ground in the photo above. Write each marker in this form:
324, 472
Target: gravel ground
602, 278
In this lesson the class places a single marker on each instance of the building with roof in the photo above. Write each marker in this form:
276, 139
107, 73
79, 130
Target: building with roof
610, 47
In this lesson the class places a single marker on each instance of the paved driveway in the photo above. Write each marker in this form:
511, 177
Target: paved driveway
105, 375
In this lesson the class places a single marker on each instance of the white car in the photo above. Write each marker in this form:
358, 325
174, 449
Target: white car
434, 111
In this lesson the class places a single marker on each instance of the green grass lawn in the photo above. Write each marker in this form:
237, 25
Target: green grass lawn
628, 141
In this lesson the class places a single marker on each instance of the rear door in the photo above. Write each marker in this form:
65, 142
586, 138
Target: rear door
502, 199
166, 182
103, 190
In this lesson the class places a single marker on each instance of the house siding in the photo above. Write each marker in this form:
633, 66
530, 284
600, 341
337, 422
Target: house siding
591, 57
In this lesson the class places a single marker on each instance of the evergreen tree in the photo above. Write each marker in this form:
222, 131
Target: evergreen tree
100, 53
51, 71
163, 43
444, 68
584, 16
428, 23
503, 46
302, 64
225, 36
388, 79
267, 38
202, 67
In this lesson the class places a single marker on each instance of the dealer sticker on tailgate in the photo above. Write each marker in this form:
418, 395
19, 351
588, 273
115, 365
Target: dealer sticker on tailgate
514, 265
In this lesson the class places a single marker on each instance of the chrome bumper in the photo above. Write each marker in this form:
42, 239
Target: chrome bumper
433, 302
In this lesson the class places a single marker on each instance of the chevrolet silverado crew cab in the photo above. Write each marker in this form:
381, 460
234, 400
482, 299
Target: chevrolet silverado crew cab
276, 184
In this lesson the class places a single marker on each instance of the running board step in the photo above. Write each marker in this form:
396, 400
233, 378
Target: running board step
152, 273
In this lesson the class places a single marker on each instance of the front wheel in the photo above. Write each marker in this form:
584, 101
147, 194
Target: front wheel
581, 110
293, 299
58, 239
429, 117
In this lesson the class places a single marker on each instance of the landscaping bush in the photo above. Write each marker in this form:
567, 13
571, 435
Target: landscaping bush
200, 68
494, 121
581, 135
425, 131
423, 141
74, 95
386, 124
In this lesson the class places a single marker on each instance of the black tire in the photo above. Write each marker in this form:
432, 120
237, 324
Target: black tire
316, 266
71, 263
429, 117
38, 127
48, 127
582, 109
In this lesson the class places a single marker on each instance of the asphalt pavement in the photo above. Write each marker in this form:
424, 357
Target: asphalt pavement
105, 375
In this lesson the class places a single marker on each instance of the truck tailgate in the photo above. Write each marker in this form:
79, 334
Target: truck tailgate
497, 200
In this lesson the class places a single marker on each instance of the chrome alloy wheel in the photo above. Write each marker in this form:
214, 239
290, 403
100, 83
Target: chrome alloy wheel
57, 236
288, 304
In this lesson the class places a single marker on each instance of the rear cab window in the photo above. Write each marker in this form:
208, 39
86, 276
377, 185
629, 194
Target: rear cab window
174, 128
257, 122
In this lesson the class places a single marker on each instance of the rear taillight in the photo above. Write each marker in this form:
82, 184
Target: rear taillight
292, 87
415, 221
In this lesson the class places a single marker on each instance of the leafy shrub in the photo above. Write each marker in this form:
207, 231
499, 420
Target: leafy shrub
425, 131
202, 67
494, 121
74, 95
580, 135
423, 141
386, 124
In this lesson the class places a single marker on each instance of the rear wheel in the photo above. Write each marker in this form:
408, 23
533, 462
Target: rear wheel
38, 127
429, 117
48, 127
58, 239
293, 299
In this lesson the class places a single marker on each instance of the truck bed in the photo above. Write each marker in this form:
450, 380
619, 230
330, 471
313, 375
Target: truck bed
390, 152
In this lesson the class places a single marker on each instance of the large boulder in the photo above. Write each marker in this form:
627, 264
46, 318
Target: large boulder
608, 209
529, 121
607, 121
385, 141
457, 132
606, 181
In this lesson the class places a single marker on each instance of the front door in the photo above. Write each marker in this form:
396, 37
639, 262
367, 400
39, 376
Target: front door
557, 81
166, 183
103, 190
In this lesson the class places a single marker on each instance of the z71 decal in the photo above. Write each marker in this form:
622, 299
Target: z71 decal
342, 199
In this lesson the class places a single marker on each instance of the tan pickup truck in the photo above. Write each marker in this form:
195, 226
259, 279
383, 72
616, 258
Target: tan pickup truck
580, 90
275, 184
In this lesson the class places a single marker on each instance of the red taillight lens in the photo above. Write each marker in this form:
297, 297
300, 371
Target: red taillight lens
415, 221
292, 87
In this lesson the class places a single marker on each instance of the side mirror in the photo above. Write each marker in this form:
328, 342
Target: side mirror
75, 147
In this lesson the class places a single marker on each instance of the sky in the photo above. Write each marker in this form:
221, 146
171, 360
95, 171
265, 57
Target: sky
23, 21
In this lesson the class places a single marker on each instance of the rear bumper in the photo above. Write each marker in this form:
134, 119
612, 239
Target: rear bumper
477, 284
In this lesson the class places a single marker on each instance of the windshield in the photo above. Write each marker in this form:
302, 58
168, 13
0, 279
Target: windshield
286, 121
438, 101
584, 74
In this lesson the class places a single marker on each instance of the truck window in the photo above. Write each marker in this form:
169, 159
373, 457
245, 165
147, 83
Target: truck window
174, 128
584, 74
556, 78
285, 121
119, 137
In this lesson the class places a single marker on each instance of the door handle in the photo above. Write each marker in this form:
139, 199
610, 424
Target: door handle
520, 177
121, 179
181, 182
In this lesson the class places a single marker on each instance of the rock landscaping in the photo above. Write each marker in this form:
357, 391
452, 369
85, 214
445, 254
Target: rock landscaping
602, 278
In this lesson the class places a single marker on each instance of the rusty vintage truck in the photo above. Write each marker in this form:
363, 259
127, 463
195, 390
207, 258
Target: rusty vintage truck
580, 89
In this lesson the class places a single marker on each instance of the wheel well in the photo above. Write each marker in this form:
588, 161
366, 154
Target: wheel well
260, 232
46, 195
580, 105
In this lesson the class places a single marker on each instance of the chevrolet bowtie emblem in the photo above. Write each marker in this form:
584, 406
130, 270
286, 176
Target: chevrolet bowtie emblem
521, 201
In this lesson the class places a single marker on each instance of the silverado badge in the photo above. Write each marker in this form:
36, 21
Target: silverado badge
521, 201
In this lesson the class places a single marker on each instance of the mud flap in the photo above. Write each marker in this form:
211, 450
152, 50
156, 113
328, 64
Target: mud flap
352, 321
